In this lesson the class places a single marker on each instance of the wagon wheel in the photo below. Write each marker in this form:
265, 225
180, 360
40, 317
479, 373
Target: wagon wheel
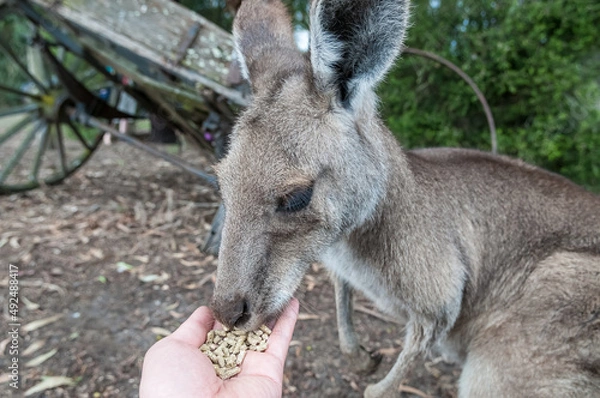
39, 143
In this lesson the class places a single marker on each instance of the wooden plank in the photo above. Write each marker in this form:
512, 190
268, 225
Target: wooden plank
158, 30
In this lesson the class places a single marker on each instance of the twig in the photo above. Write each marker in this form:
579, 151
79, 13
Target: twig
306, 317
376, 314
412, 390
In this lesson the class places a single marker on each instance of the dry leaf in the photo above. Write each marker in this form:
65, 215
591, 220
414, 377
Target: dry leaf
123, 228
194, 263
388, 352
142, 259
207, 278
305, 317
41, 359
192, 247
435, 372
37, 283
30, 305
33, 347
4, 343
83, 258
160, 331
5, 378
97, 253
48, 383
14, 243
176, 315
122, 266
191, 286
412, 390
154, 278
31, 326
198, 271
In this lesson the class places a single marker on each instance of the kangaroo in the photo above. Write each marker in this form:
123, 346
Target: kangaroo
493, 260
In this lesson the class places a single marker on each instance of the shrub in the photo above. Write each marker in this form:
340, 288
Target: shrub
537, 62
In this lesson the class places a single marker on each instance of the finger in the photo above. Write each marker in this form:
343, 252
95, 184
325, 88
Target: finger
283, 330
194, 330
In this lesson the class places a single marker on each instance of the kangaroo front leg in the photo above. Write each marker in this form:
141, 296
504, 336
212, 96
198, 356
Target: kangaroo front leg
416, 340
362, 360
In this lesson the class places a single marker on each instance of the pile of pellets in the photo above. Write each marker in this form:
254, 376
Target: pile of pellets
227, 348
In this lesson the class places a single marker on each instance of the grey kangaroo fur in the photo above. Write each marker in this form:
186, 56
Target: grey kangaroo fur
495, 261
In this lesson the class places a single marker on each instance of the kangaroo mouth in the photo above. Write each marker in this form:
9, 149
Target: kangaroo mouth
265, 316
271, 320
247, 316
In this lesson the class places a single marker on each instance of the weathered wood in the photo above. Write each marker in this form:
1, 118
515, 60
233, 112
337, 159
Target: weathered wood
159, 31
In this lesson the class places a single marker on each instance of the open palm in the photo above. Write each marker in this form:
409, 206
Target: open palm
175, 367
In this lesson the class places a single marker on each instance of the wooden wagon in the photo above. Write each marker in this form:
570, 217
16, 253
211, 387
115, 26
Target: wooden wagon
70, 66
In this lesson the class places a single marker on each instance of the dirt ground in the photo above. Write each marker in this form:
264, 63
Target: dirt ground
110, 260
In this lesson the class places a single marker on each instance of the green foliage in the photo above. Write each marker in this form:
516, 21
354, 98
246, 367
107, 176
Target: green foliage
213, 10
537, 63
217, 12
16, 31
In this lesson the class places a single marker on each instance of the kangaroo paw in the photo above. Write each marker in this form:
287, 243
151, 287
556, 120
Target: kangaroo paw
364, 361
380, 390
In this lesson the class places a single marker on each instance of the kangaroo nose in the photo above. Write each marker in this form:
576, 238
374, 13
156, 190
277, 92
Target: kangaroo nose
233, 311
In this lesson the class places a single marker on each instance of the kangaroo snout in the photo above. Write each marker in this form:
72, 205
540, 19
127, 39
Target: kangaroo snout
231, 310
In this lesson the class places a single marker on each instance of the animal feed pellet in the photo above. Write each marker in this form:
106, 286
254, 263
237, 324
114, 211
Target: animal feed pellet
227, 348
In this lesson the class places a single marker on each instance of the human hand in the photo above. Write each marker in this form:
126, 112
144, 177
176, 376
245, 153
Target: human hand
175, 367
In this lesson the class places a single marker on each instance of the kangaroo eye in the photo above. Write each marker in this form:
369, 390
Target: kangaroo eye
296, 200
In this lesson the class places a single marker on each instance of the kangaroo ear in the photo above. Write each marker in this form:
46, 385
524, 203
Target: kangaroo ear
264, 42
354, 43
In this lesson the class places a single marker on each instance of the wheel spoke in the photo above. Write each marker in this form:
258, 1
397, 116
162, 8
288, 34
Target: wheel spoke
16, 128
19, 92
18, 109
38, 159
79, 135
14, 57
16, 158
61, 148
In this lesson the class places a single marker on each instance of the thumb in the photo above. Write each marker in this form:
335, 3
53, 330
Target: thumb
194, 330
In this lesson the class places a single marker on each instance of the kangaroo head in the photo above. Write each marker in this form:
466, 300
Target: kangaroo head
307, 162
